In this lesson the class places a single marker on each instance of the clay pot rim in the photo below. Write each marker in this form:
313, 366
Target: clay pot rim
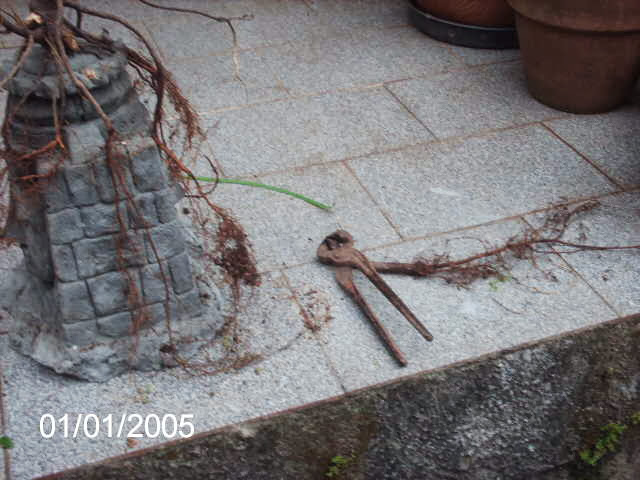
561, 18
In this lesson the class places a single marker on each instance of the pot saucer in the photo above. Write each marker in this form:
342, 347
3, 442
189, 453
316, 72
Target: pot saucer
461, 34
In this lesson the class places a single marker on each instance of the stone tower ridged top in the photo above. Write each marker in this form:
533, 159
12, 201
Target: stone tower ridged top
39, 75
103, 72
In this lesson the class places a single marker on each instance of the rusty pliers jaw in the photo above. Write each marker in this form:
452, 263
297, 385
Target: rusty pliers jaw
337, 249
338, 239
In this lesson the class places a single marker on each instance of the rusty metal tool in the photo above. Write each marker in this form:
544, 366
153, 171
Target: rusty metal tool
337, 250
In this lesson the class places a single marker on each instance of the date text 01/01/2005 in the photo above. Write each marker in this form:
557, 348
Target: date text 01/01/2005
131, 425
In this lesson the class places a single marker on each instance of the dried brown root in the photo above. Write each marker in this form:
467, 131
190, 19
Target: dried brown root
493, 261
233, 253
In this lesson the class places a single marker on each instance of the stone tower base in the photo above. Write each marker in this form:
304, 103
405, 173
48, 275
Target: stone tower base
110, 279
193, 324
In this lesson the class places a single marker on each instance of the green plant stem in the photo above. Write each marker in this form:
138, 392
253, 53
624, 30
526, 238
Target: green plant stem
247, 183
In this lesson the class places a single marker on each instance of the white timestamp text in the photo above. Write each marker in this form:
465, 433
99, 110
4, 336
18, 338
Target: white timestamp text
131, 425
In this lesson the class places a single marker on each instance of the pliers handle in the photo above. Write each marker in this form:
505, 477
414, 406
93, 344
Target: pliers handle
337, 249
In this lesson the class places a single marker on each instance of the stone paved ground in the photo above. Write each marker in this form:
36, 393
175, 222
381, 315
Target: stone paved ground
421, 148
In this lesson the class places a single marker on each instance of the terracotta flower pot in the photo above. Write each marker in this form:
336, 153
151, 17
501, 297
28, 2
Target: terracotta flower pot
580, 56
486, 13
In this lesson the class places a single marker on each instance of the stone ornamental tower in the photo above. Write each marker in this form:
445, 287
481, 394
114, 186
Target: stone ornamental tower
72, 303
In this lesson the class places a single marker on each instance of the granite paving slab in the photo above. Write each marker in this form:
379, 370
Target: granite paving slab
216, 82
10, 42
484, 56
445, 186
294, 371
122, 8
286, 231
8, 53
10, 258
356, 13
236, 94
529, 303
611, 141
271, 23
475, 100
198, 36
362, 57
151, 15
613, 274
311, 130
116, 31
278, 23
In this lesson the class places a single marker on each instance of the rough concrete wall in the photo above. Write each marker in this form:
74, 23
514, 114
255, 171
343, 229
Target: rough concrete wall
519, 414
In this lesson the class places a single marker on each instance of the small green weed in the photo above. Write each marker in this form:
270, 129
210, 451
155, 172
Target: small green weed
247, 183
227, 342
495, 283
144, 394
608, 442
6, 442
338, 464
